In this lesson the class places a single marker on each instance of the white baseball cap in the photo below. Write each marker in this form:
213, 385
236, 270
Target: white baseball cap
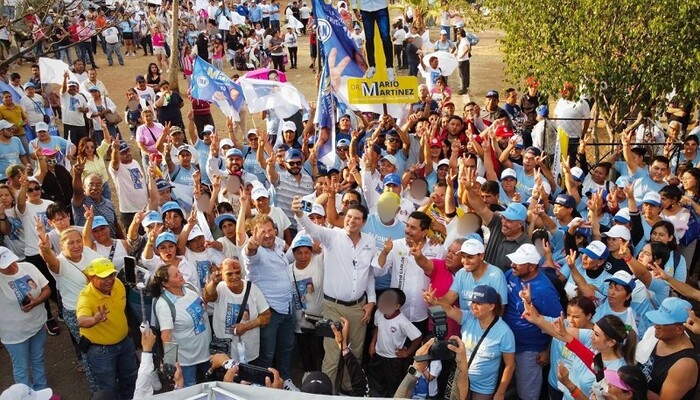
195, 232
289, 126
20, 391
7, 257
258, 192
619, 231
526, 254
472, 247
508, 173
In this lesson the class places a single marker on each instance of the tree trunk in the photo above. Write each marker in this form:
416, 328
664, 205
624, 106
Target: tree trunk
174, 50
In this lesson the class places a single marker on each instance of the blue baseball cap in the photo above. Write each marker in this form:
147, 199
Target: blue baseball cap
224, 217
292, 154
621, 182
515, 212
162, 184
280, 146
99, 221
302, 241
623, 278
542, 110
392, 179
565, 200
484, 294
166, 237
151, 218
234, 152
596, 250
171, 206
584, 232
604, 194
673, 310
123, 146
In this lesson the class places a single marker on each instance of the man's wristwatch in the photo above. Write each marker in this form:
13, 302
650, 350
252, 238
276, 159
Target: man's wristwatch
413, 371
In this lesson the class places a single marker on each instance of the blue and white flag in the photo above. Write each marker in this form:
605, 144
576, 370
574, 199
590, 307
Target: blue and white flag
4, 87
263, 95
211, 84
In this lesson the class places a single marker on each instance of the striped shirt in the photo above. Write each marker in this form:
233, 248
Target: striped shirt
287, 188
104, 208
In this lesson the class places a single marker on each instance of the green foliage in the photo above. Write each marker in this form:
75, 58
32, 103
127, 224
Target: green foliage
627, 53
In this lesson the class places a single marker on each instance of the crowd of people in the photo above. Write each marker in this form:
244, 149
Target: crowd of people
559, 278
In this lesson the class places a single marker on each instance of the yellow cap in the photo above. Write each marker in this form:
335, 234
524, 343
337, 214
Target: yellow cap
101, 267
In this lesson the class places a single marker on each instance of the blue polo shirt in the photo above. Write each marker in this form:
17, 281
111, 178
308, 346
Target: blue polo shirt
529, 337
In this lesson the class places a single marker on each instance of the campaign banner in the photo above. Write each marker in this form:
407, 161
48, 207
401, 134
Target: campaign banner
211, 84
402, 90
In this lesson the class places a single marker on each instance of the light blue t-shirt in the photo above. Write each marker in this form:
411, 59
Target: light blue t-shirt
525, 182
464, 283
251, 164
599, 282
202, 150
9, 155
380, 232
559, 352
645, 185
646, 299
628, 316
483, 372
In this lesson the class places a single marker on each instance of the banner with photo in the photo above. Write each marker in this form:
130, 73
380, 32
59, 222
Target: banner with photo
211, 84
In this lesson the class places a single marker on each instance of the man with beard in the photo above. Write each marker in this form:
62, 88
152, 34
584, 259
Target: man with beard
290, 183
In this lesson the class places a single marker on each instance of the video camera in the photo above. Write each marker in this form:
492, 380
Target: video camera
439, 350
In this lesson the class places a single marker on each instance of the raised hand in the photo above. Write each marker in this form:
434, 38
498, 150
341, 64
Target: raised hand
571, 258
429, 296
416, 250
388, 245
525, 293
101, 314
89, 212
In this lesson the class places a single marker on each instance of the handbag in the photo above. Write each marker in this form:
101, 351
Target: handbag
113, 118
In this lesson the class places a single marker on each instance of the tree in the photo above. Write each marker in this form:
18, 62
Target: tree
50, 14
174, 64
628, 54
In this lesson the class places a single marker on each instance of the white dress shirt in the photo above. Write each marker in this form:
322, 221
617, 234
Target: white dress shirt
348, 272
408, 276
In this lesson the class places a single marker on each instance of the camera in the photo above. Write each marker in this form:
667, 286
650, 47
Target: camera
323, 328
439, 350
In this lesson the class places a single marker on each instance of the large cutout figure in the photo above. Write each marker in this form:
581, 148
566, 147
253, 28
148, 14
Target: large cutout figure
376, 12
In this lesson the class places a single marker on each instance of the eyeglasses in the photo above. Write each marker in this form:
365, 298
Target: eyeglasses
34, 189
393, 140
294, 163
350, 203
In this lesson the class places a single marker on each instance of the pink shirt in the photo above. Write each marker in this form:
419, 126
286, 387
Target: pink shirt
148, 135
441, 279
158, 40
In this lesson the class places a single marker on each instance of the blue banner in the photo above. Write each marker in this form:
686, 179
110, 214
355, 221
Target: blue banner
210, 84
5, 87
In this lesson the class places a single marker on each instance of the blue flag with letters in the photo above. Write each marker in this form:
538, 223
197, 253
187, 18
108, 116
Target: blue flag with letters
211, 84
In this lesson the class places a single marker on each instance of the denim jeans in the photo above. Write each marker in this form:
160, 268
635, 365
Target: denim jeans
190, 373
381, 18
86, 53
277, 338
29, 356
413, 67
115, 367
114, 48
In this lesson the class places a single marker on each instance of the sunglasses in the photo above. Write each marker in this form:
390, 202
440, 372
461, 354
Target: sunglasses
294, 163
34, 189
393, 140
350, 202
342, 148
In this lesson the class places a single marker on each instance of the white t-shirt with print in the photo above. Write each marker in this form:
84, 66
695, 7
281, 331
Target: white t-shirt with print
31, 236
393, 333
16, 326
226, 309
191, 329
132, 189
309, 289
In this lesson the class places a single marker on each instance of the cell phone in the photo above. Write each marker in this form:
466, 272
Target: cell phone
306, 206
170, 350
323, 328
130, 270
253, 374
26, 301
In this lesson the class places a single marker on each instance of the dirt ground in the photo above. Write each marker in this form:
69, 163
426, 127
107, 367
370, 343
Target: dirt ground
487, 72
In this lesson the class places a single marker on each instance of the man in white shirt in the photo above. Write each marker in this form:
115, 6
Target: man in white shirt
73, 107
348, 280
128, 178
304, 15
464, 53
113, 45
406, 260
